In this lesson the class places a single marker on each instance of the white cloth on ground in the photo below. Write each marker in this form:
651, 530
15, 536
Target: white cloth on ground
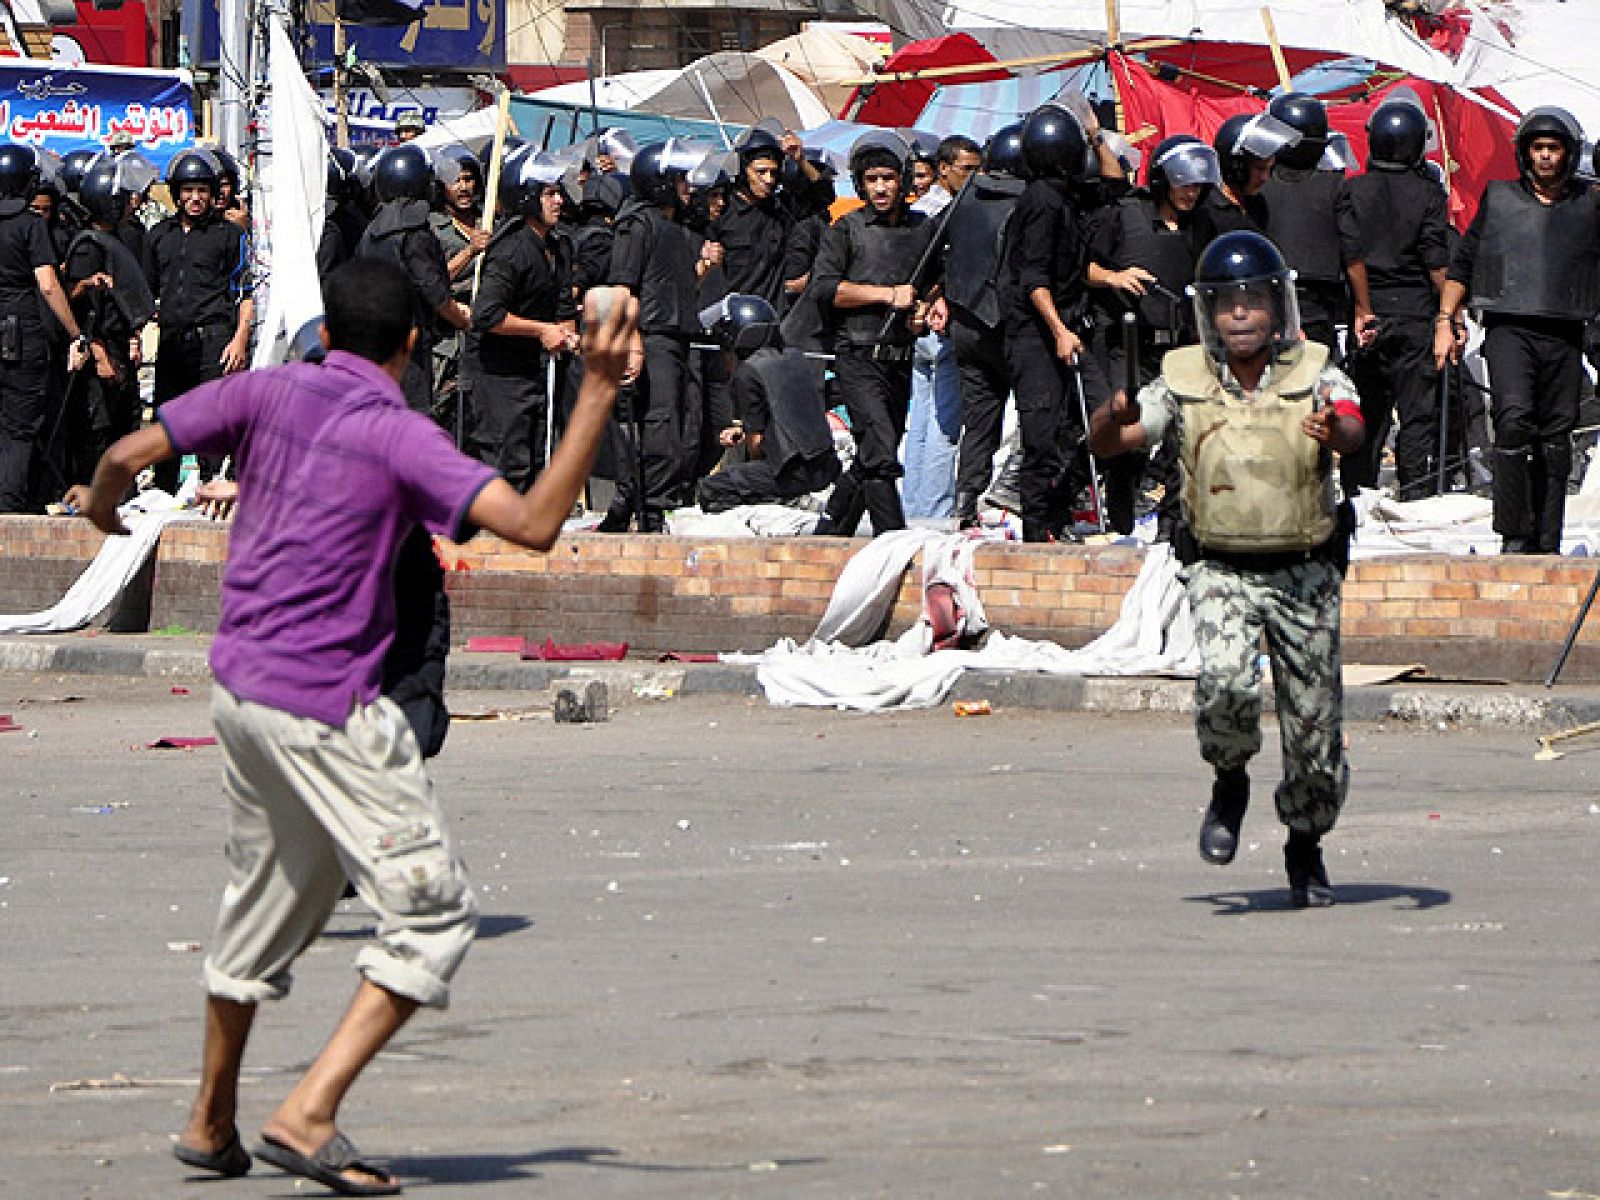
117, 561
1153, 635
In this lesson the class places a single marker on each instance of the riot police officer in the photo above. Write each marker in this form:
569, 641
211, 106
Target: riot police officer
27, 273
750, 240
1266, 546
1308, 220
113, 304
1400, 217
1247, 146
782, 427
403, 179
523, 316
198, 268
864, 275
1044, 296
344, 222
972, 301
652, 255
1143, 262
1530, 262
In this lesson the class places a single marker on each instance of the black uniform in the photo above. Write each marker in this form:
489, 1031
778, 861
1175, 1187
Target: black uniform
1533, 270
874, 375
401, 236
99, 411
200, 274
653, 257
972, 264
24, 349
1400, 217
755, 244
776, 395
1216, 215
528, 276
1309, 221
341, 234
1138, 236
1046, 248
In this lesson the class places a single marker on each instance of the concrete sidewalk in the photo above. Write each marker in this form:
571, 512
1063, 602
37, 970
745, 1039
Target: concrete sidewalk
1441, 704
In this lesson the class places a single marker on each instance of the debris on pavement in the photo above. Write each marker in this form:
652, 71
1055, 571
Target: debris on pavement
180, 743
591, 708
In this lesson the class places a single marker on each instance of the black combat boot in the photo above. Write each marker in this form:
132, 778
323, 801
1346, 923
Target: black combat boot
1308, 878
1219, 830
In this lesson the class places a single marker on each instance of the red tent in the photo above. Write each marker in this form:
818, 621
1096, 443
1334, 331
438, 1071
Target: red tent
900, 103
1477, 141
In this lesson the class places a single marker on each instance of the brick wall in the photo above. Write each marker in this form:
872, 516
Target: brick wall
1467, 616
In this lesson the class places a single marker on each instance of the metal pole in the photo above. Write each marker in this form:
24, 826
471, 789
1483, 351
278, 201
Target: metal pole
549, 408
594, 101
1444, 430
233, 34
1572, 634
1094, 467
711, 107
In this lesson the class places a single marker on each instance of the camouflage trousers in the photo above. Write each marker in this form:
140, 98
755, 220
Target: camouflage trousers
1297, 608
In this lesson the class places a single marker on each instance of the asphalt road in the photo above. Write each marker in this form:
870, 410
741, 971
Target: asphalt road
735, 951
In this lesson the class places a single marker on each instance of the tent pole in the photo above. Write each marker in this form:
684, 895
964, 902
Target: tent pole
711, 107
1005, 64
1284, 78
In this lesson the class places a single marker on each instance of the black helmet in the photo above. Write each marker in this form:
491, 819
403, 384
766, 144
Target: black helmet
1003, 153
227, 167
1307, 117
602, 196
757, 142
75, 166
1180, 161
1549, 121
344, 181
741, 323
1053, 144
1244, 139
1244, 262
102, 192
523, 178
193, 166
402, 172
875, 150
657, 168
1397, 136
450, 163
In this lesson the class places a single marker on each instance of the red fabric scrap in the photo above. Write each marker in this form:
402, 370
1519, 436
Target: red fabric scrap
497, 645
7, 725
180, 743
578, 652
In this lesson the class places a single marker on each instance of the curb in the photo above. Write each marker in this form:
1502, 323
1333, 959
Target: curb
1441, 706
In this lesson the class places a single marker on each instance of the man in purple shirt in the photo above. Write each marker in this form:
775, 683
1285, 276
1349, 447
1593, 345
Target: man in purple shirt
324, 776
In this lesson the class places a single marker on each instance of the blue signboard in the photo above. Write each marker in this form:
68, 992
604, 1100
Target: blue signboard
63, 110
464, 35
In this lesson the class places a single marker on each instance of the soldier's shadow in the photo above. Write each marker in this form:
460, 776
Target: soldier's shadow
1402, 897
492, 1168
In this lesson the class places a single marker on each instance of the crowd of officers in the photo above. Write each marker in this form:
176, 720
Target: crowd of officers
969, 279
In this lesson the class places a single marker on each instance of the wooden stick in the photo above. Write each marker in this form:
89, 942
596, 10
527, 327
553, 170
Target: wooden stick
1278, 60
1037, 60
491, 187
1113, 24
1444, 152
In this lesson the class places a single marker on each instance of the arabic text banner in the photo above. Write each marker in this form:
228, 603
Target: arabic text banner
52, 108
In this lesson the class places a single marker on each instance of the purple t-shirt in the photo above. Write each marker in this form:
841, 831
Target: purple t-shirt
334, 472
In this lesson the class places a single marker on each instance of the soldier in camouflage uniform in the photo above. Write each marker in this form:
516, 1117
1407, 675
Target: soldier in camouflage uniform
1258, 414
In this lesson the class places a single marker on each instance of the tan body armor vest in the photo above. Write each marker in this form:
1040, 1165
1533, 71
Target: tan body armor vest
1253, 482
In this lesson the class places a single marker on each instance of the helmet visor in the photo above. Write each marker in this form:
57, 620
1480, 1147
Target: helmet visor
451, 162
1339, 156
1239, 318
1264, 136
1189, 163
619, 146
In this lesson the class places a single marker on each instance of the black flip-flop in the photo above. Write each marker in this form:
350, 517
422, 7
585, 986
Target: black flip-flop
337, 1154
232, 1161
